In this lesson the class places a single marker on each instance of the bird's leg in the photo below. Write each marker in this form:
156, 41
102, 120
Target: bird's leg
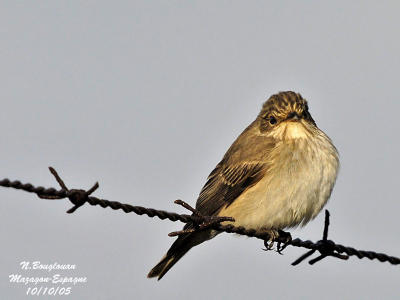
284, 239
273, 235
203, 223
281, 237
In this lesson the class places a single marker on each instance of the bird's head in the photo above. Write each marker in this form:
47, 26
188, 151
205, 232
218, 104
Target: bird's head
286, 115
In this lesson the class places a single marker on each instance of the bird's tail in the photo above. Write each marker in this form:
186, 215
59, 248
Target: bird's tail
178, 249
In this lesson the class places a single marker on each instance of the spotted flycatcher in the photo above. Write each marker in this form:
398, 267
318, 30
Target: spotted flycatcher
278, 174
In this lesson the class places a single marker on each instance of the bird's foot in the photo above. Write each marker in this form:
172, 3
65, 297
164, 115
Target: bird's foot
284, 240
272, 237
281, 238
203, 221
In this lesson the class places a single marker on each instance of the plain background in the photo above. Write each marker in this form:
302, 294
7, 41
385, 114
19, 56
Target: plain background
146, 97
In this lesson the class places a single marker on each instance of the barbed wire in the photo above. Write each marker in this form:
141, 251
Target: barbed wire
79, 197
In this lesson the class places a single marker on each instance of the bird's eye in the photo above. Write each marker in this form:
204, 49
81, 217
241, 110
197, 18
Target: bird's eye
272, 120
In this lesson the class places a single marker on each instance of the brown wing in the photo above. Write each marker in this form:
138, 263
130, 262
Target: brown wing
226, 183
243, 165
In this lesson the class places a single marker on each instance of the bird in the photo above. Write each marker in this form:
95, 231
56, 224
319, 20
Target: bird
278, 174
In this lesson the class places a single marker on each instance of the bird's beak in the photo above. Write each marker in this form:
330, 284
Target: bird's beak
293, 117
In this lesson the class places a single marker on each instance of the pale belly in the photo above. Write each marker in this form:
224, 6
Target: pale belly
294, 190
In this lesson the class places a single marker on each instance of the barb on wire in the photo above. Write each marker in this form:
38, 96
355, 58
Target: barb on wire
325, 247
79, 197
202, 223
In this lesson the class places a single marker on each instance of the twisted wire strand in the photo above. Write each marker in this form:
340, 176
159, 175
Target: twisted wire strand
79, 197
127, 208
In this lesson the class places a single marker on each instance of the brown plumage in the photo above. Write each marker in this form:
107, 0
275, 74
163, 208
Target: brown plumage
278, 173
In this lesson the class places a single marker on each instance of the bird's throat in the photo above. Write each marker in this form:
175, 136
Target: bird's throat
292, 130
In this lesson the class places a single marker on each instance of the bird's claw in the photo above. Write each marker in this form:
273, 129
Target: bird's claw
284, 239
281, 238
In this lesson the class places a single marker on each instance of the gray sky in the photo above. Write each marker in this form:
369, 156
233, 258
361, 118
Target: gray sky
146, 97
